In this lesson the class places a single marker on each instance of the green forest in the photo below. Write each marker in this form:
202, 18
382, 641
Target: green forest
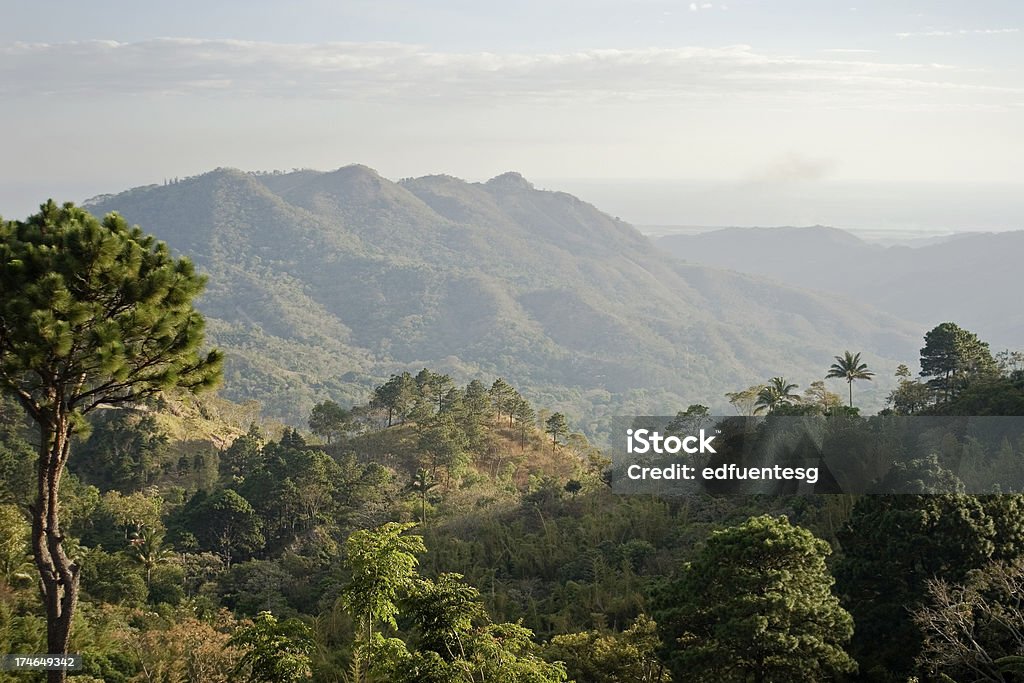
440, 531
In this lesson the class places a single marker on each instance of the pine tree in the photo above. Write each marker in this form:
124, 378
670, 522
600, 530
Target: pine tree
92, 314
502, 396
525, 415
557, 427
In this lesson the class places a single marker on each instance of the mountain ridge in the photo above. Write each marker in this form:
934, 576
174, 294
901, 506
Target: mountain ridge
323, 283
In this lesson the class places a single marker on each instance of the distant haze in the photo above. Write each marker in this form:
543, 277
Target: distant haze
661, 206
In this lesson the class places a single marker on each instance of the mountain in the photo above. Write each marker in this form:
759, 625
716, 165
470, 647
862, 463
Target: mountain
974, 279
323, 283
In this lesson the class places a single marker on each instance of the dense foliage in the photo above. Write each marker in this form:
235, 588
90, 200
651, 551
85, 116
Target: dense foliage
438, 529
756, 604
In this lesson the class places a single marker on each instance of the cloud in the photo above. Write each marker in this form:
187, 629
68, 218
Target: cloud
393, 72
961, 32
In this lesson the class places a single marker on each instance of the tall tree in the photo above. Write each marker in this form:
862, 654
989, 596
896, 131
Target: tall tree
396, 396
224, 522
952, 357
525, 415
849, 367
382, 568
756, 604
476, 407
244, 454
557, 427
123, 451
909, 397
148, 551
93, 313
433, 385
440, 385
329, 420
422, 483
445, 446
478, 400
503, 396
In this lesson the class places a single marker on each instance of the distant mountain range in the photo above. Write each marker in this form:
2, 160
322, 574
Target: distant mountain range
973, 279
321, 284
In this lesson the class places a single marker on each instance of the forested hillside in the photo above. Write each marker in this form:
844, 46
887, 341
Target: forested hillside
321, 284
433, 531
439, 529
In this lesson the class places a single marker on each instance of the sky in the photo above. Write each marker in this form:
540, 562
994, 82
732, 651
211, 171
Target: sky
760, 99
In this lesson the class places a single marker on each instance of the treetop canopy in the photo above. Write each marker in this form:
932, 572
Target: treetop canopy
95, 312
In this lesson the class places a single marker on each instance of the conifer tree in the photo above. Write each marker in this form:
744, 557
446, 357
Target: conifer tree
93, 313
557, 427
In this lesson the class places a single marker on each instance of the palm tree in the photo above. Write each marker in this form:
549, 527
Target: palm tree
148, 550
849, 367
422, 484
778, 392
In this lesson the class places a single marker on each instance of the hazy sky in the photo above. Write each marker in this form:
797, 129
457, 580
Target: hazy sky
104, 95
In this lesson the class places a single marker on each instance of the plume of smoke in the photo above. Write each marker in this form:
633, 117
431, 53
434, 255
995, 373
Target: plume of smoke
786, 171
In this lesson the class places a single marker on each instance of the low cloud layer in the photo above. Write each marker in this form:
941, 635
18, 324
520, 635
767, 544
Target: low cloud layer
388, 71
961, 32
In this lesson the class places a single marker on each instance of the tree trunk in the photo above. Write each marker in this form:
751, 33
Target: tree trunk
58, 574
369, 639
851, 393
